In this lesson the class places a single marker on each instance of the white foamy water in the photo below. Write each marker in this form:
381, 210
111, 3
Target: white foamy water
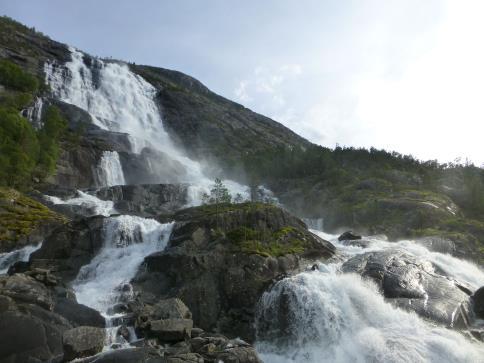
87, 201
110, 171
7, 259
127, 241
336, 317
329, 316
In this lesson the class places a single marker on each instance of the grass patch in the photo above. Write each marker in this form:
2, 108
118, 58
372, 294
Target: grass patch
20, 215
287, 240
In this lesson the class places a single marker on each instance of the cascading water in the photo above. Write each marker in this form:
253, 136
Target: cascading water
121, 101
110, 171
88, 202
329, 316
105, 280
9, 258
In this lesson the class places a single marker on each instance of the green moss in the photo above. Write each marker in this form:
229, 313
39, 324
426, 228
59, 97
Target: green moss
20, 215
284, 241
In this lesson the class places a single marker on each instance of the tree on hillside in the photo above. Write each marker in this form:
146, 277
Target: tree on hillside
218, 194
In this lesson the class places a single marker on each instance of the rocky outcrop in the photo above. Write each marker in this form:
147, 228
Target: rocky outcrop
24, 221
70, 247
146, 200
348, 236
412, 283
167, 335
31, 328
220, 259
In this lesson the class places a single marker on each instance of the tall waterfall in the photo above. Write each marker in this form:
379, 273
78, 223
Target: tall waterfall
330, 316
119, 100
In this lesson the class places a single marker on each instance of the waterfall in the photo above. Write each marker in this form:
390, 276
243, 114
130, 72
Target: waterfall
105, 281
110, 171
87, 202
9, 258
121, 101
34, 113
330, 316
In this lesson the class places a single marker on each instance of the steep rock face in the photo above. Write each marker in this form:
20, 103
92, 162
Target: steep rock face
221, 258
146, 200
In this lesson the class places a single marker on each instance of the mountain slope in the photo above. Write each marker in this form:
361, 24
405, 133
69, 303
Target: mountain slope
372, 191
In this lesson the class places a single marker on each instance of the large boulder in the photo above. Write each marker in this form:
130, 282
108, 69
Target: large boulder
146, 200
29, 329
83, 341
34, 314
220, 259
70, 247
78, 314
171, 330
412, 283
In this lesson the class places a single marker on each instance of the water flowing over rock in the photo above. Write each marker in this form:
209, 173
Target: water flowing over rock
411, 283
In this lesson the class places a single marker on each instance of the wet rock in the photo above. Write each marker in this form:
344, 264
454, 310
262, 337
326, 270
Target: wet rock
411, 282
82, 342
165, 309
219, 348
131, 355
27, 338
123, 331
348, 236
70, 247
437, 244
25, 289
78, 314
478, 303
170, 330
146, 200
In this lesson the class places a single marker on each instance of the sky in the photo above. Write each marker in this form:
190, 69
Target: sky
403, 75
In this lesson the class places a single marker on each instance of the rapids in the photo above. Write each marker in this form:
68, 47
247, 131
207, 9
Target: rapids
340, 317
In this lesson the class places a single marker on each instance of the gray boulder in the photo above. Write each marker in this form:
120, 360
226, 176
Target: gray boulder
412, 283
146, 200
82, 342
171, 330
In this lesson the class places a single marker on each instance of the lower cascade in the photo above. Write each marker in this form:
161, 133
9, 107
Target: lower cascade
9, 258
105, 281
326, 315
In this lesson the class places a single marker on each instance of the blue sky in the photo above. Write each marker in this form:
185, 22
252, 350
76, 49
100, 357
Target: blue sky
399, 75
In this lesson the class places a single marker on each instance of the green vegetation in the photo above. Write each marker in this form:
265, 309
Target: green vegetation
13, 77
20, 215
348, 171
218, 194
263, 242
25, 153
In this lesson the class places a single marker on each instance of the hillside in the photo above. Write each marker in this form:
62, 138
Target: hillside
371, 191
